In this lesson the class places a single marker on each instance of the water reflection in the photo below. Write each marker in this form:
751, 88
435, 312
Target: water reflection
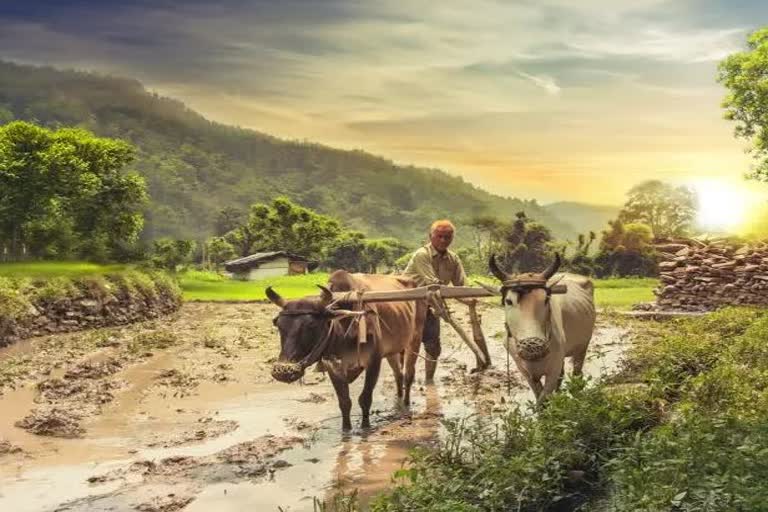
366, 464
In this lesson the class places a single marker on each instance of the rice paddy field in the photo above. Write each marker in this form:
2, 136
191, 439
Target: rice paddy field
207, 286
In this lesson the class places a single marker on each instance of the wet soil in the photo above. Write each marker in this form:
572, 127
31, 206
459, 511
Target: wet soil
182, 414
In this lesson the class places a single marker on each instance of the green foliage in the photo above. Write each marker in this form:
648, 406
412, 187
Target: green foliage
522, 462
228, 219
53, 269
526, 245
382, 252
13, 303
667, 210
711, 455
579, 260
219, 250
170, 254
347, 252
286, 226
689, 435
193, 166
50, 289
626, 250
744, 75
63, 193
486, 233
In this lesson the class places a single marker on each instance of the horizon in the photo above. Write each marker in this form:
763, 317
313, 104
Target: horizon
578, 105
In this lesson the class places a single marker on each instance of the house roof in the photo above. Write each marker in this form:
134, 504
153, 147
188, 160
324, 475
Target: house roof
254, 260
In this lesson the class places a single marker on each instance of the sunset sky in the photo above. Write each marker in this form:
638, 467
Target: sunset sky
545, 99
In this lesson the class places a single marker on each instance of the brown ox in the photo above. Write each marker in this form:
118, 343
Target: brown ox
310, 332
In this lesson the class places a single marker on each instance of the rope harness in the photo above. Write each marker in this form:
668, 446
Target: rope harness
531, 352
336, 316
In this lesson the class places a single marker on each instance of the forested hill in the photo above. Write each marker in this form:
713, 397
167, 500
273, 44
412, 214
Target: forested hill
195, 167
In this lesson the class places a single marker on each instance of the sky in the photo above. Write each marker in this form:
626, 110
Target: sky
539, 99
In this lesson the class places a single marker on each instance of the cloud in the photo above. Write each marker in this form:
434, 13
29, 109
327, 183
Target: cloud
508, 85
545, 82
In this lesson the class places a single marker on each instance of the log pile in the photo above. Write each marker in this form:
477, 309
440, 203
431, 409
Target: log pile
702, 276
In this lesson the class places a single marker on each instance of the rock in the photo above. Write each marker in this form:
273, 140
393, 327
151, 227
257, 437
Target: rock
53, 422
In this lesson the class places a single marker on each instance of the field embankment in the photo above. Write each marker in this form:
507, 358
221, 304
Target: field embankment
44, 298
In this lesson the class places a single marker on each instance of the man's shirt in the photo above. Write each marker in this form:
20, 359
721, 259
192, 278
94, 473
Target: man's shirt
427, 266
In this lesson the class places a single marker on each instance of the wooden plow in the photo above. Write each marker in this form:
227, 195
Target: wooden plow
435, 296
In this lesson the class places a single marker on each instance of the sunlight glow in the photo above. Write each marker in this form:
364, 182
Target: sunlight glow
722, 205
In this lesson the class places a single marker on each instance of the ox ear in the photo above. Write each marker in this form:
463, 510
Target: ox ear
550, 271
326, 296
495, 270
275, 298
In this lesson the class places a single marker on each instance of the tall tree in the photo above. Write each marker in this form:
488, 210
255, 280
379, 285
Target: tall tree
527, 245
228, 219
745, 74
668, 210
286, 226
67, 184
626, 250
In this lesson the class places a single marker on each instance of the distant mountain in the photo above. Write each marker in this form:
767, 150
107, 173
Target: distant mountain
583, 217
195, 167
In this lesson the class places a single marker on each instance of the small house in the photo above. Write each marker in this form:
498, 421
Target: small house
268, 264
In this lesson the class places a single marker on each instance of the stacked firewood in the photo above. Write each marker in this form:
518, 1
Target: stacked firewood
704, 275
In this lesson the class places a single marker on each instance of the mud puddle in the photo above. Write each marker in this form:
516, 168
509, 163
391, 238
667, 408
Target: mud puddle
197, 424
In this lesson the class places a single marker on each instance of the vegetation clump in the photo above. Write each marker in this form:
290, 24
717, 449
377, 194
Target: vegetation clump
683, 428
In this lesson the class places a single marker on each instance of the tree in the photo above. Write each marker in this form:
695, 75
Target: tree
219, 250
580, 261
527, 245
286, 226
667, 210
229, 218
347, 252
64, 193
626, 250
383, 251
169, 254
745, 74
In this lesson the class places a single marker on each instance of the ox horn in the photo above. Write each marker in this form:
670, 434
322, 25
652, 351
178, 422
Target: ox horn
495, 270
326, 295
552, 268
275, 297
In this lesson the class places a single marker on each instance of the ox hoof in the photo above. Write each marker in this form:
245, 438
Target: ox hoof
479, 368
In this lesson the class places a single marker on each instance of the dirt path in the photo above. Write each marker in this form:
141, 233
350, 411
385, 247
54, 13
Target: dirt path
182, 414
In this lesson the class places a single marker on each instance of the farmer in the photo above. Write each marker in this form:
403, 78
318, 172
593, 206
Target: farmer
435, 264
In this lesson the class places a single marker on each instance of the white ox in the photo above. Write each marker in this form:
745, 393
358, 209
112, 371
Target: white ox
548, 317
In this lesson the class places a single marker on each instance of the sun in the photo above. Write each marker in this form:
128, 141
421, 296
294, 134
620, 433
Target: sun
722, 206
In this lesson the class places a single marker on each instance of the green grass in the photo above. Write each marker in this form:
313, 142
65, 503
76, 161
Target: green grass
622, 293
45, 269
208, 286
614, 293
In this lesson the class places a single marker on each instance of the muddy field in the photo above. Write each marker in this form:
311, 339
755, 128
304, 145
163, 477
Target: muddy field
181, 413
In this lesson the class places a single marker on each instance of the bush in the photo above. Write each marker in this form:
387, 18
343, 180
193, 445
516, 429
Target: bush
691, 437
13, 303
523, 462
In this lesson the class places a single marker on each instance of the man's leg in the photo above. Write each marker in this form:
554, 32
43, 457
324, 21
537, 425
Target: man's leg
431, 340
